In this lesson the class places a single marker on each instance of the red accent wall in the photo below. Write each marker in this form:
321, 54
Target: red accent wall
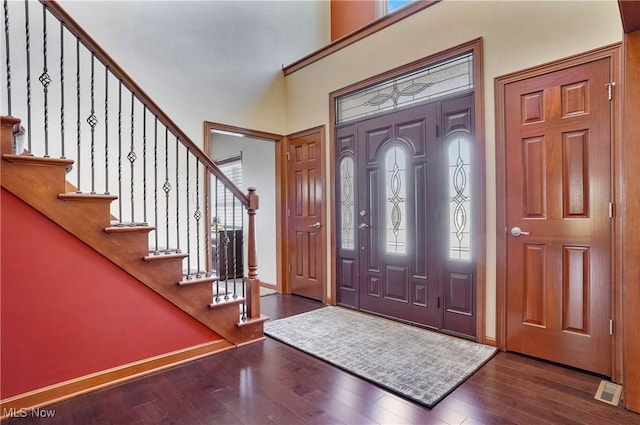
349, 15
66, 311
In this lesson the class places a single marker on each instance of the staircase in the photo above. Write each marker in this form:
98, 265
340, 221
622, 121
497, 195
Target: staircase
170, 250
41, 183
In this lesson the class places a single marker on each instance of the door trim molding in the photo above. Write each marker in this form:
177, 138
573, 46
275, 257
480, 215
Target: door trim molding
474, 46
284, 178
613, 53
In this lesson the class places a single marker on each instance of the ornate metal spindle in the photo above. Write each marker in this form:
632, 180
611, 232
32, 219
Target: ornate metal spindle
226, 248
6, 38
144, 165
28, 41
106, 130
197, 215
155, 179
45, 80
216, 253
166, 186
233, 247
92, 120
78, 128
178, 197
131, 156
62, 155
206, 214
188, 217
120, 152
244, 281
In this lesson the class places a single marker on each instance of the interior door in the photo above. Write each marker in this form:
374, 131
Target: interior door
304, 211
398, 256
558, 188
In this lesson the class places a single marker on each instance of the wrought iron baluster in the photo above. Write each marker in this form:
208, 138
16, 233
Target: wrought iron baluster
207, 272
62, 155
178, 197
131, 156
197, 215
7, 44
216, 251
188, 217
226, 241
78, 128
166, 186
93, 121
155, 179
45, 80
144, 165
106, 130
120, 152
28, 46
244, 282
233, 248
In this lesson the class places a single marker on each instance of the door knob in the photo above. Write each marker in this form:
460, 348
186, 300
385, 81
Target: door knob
363, 226
516, 231
316, 225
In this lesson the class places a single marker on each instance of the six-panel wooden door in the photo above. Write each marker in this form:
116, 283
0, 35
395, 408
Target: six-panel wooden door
559, 228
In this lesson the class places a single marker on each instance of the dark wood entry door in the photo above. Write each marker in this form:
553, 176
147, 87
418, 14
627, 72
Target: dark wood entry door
405, 220
558, 193
304, 210
395, 256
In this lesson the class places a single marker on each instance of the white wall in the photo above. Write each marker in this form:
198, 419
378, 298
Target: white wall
217, 61
259, 171
516, 35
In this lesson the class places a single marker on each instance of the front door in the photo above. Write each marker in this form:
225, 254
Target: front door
304, 215
559, 231
399, 275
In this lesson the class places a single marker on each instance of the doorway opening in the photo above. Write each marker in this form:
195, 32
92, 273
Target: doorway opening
249, 159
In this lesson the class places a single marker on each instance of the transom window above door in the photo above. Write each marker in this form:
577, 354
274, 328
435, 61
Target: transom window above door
435, 81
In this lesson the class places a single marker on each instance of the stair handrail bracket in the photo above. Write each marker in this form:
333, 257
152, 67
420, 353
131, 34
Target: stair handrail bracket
72, 101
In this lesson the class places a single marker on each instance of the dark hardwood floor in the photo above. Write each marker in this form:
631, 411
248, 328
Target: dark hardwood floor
272, 383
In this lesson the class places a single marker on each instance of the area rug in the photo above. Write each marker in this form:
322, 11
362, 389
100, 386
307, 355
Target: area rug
418, 364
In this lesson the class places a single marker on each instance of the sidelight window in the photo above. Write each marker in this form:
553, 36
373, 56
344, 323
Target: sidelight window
460, 201
395, 162
347, 193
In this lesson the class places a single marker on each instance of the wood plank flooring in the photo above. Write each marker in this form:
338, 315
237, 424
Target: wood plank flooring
272, 383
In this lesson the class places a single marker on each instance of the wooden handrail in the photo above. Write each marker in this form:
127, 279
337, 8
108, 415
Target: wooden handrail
100, 54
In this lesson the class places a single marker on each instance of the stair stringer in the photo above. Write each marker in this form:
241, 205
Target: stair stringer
40, 181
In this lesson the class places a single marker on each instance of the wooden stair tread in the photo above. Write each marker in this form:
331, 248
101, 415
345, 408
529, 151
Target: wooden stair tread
253, 321
87, 197
196, 280
162, 256
133, 228
37, 160
226, 301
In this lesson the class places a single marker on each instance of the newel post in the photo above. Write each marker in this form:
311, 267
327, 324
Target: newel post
253, 287
9, 126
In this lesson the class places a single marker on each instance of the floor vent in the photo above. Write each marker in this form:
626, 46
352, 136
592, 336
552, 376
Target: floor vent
608, 392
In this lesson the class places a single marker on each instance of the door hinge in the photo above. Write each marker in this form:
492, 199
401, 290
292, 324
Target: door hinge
610, 209
438, 302
289, 268
288, 156
610, 89
610, 326
437, 131
288, 212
